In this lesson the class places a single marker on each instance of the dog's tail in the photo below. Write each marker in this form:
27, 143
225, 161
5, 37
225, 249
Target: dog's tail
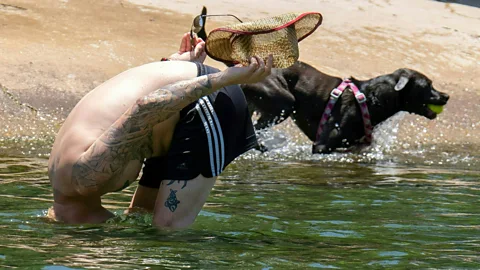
203, 34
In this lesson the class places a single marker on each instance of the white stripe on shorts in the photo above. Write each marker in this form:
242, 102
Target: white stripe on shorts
220, 133
215, 135
209, 137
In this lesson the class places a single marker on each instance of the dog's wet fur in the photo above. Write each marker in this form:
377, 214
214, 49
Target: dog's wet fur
302, 92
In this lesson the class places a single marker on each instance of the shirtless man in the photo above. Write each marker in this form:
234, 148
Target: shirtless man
187, 121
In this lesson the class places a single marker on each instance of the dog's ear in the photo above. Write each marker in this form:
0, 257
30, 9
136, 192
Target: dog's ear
401, 83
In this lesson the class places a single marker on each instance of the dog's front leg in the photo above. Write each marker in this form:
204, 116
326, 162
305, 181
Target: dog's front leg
319, 148
332, 136
326, 143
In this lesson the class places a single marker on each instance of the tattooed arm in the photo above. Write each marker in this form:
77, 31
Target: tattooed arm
129, 138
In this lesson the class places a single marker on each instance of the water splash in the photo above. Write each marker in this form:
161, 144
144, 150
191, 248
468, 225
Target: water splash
27, 130
401, 139
30, 120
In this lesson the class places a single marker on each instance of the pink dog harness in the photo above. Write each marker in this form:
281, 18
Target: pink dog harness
361, 99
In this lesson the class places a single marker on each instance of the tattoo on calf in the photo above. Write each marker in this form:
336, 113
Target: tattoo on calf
172, 203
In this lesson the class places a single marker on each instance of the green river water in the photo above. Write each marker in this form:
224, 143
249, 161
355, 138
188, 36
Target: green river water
280, 210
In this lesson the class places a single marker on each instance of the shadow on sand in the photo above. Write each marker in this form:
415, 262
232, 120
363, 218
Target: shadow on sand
473, 3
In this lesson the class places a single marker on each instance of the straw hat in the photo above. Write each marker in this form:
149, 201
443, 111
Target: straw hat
277, 35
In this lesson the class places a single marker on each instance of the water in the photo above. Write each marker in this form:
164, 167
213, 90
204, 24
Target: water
392, 208
410, 201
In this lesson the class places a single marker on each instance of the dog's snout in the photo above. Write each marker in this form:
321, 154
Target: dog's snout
439, 97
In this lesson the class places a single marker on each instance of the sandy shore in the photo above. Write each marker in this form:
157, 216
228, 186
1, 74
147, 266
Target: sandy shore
53, 51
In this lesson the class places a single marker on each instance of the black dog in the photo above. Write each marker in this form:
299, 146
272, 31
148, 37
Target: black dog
302, 92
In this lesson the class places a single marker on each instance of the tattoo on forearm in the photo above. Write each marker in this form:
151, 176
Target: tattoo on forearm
172, 202
130, 137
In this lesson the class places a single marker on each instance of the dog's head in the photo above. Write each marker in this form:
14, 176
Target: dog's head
416, 92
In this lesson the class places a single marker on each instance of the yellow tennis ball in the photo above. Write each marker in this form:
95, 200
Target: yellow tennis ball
438, 109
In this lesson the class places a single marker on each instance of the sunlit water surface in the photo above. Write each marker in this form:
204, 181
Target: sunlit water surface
285, 209
410, 201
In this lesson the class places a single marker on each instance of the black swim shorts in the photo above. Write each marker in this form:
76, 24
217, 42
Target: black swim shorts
211, 133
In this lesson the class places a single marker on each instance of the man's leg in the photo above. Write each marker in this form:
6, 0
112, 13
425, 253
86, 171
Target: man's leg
179, 202
76, 210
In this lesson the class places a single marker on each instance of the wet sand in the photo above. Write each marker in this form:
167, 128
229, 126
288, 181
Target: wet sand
53, 52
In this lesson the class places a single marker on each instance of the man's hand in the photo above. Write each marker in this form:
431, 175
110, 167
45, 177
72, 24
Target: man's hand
255, 72
190, 52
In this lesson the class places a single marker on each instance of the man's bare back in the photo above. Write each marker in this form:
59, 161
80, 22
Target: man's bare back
110, 100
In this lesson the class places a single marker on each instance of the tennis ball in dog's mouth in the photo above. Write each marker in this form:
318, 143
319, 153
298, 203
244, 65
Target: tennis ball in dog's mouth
438, 109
